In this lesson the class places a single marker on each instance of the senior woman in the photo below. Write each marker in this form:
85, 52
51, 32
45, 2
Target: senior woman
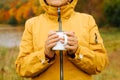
84, 56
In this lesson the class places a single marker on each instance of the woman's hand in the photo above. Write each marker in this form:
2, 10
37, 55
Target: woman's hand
50, 43
72, 43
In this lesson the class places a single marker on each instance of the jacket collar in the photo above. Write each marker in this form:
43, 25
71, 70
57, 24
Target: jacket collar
52, 13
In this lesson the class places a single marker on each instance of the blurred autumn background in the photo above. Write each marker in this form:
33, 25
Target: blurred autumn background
14, 13
18, 11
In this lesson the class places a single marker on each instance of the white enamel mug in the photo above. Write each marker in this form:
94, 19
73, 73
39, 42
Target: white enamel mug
59, 45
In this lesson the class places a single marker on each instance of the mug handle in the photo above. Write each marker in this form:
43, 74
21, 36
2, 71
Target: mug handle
65, 39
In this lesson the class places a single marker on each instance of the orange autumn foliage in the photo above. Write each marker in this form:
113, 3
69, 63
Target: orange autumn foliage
21, 10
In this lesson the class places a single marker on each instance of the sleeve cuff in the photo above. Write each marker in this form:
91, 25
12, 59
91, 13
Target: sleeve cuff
74, 55
78, 54
50, 59
71, 55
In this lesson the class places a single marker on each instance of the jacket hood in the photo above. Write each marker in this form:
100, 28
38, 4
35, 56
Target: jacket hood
66, 11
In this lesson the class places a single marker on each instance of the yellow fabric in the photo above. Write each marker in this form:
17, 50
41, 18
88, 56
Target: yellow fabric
29, 62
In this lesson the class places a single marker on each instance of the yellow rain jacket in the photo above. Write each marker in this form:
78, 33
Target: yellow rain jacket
90, 57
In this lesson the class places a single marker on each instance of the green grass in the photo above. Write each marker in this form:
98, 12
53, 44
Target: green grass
111, 37
7, 66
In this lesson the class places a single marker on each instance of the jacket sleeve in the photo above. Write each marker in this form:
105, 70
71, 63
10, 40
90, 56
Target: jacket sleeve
92, 59
30, 63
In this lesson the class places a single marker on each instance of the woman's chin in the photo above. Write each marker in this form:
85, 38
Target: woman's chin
57, 3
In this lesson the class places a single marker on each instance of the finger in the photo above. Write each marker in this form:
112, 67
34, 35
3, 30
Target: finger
70, 33
52, 41
69, 47
71, 38
51, 33
50, 46
53, 36
71, 43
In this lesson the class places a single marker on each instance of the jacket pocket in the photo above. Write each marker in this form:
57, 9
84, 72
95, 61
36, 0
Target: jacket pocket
95, 42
